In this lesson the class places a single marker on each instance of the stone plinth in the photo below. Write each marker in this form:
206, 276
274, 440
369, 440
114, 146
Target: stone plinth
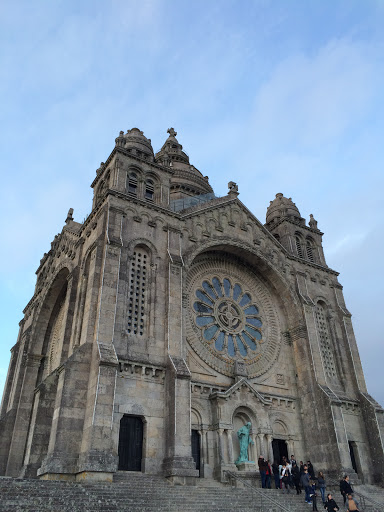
246, 466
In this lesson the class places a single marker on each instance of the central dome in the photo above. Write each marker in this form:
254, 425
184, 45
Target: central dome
186, 181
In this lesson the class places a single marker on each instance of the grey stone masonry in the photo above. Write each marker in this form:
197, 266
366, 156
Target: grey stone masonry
168, 320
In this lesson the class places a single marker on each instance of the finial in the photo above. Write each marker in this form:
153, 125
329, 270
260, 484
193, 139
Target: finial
171, 132
69, 216
102, 165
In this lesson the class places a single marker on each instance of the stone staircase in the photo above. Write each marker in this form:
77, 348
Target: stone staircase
373, 492
135, 492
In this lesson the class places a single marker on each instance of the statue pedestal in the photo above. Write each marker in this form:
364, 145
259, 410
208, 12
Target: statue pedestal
246, 466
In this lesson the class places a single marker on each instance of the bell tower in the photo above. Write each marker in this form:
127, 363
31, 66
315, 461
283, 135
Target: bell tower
289, 228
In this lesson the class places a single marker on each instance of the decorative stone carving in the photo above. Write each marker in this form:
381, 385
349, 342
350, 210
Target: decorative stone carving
231, 318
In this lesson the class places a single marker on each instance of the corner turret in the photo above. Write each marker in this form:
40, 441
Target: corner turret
289, 228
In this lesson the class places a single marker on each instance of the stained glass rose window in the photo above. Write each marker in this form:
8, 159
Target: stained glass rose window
228, 317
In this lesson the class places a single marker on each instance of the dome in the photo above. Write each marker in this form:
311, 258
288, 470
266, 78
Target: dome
172, 152
282, 207
186, 179
136, 140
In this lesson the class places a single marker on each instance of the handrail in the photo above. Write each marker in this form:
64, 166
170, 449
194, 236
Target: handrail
377, 507
258, 492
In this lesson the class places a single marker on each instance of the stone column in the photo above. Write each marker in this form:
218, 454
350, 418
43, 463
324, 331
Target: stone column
20, 433
178, 463
220, 450
269, 448
260, 445
98, 452
254, 450
205, 445
230, 446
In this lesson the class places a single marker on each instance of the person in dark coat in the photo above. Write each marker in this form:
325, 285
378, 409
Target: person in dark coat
313, 494
311, 471
321, 485
345, 488
276, 474
263, 470
296, 478
330, 504
305, 479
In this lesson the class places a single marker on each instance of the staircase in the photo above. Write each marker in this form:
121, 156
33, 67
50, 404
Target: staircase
136, 492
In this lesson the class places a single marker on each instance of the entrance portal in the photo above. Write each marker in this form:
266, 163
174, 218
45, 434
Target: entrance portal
353, 456
130, 443
195, 441
280, 450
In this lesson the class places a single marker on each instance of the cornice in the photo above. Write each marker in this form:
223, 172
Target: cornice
295, 223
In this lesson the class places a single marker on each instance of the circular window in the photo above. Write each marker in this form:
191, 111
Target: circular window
228, 318
231, 317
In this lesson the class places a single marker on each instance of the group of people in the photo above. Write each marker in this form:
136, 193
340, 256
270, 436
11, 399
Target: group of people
289, 475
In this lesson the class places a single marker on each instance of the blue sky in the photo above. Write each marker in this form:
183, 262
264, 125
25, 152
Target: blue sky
279, 96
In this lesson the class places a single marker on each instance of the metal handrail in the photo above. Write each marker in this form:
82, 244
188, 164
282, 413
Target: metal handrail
259, 493
377, 507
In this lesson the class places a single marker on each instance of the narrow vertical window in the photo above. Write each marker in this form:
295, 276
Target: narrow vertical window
310, 251
298, 247
325, 340
149, 189
132, 183
137, 294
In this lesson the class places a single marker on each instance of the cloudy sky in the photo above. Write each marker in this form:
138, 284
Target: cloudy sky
277, 95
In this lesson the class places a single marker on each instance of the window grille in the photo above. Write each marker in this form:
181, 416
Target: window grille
298, 247
325, 340
137, 293
149, 189
310, 251
132, 183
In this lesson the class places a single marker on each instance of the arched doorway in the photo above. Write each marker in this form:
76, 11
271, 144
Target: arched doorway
195, 441
130, 443
280, 450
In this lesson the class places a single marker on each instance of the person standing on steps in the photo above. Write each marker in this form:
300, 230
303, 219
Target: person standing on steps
305, 479
276, 474
321, 485
296, 478
345, 487
263, 470
313, 495
311, 471
330, 504
268, 474
285, 478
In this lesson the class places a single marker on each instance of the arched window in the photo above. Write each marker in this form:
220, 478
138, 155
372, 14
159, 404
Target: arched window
299, 249
138, 292
309, 248
132, 183
149, 190
325, 339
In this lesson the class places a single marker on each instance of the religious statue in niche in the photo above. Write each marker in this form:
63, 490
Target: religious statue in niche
244, 439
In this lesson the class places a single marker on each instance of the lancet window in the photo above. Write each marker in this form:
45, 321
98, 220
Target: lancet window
325, 339
132, 183
138, 292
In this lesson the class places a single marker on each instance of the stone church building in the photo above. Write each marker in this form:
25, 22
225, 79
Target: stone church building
168, 320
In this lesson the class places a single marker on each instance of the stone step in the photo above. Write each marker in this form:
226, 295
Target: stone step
140, 493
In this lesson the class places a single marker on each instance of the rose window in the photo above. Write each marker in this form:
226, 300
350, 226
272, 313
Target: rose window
228, 318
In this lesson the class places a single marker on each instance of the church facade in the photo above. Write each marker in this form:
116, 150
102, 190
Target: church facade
171, 318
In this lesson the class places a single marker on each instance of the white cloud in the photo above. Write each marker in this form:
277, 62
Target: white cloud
311, 100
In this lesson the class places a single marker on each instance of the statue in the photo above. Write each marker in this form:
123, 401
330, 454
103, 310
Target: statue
312, 222
244, 440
